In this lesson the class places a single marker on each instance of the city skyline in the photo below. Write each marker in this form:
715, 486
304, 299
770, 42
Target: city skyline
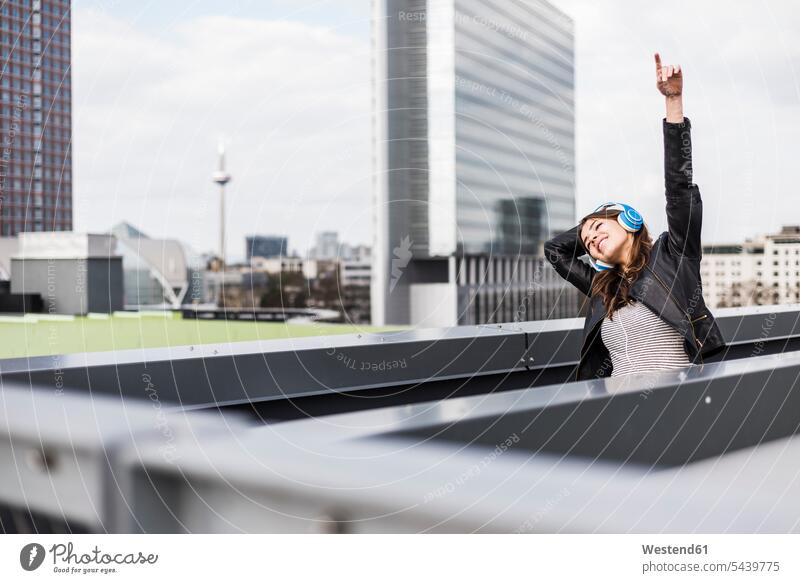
142, 82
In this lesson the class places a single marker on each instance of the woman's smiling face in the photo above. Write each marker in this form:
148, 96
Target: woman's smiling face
605, 239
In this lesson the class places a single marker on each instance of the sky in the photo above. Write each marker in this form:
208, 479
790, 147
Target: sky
285, 85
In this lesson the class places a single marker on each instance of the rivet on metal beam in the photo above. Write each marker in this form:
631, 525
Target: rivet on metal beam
41, 460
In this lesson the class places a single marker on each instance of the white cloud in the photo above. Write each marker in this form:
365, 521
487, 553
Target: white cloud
293, 101
288, 97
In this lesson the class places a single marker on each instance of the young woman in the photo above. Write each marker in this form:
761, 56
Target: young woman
646, 309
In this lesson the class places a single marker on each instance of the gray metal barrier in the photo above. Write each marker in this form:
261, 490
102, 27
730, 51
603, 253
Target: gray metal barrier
430, 430
708, 449
307, 377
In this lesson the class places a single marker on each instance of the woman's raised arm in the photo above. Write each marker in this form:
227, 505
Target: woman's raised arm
684, 205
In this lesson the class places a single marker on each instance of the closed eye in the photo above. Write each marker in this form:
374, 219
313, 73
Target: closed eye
597, 226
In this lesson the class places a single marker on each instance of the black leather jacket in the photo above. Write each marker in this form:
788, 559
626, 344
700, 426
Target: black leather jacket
670, 284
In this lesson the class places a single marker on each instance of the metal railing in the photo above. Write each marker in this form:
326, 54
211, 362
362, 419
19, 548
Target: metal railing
296, 377
709, 448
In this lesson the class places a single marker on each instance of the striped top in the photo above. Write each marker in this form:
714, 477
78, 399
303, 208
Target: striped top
640, 341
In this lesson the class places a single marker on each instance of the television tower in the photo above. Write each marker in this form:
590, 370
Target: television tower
222, 178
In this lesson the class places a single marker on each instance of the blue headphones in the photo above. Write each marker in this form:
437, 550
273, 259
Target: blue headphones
629, 219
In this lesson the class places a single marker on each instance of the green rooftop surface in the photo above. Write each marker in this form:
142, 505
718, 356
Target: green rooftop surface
43, 334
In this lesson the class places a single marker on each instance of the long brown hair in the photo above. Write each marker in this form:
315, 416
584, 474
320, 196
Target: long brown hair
613, 285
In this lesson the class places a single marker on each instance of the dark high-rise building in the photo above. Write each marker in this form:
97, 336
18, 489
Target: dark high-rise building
474, 160
35, 116
266, 246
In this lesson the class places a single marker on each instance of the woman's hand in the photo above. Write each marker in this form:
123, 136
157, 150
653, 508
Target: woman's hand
669, 79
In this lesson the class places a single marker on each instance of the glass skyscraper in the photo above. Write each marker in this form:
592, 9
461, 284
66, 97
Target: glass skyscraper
474, 150
35, 116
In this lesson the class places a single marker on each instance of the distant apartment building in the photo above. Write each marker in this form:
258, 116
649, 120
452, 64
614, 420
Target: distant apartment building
356, 252
355, 273
266, 246
761, 271
278, 265
355, 279
474, 157
327, 245
338, 284
35, 116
